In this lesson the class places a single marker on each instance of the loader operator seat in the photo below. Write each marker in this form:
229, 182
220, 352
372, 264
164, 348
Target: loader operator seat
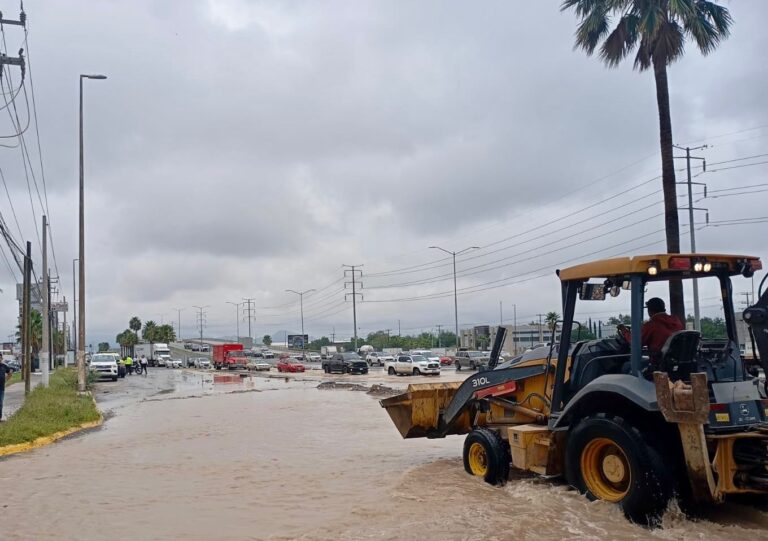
594, 359
679, 355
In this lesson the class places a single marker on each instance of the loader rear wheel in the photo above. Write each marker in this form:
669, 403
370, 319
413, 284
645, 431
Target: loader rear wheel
486, 455
609, 459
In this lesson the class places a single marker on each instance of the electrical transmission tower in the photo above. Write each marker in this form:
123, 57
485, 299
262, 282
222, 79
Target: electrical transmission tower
248, 310
201, 321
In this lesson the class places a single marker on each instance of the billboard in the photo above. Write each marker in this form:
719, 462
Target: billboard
297, 341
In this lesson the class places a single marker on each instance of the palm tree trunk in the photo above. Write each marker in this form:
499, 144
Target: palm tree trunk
672, 225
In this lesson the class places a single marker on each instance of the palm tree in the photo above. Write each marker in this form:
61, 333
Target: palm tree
658, 30
149, 332
135, 325
552, 318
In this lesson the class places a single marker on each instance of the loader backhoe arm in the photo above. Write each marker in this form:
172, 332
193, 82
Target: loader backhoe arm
756, 317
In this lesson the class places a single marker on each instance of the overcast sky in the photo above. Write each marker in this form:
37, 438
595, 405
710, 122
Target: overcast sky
240, 148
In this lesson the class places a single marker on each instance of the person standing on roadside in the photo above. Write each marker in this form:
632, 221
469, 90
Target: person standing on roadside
5, 379
129, 364
143, 363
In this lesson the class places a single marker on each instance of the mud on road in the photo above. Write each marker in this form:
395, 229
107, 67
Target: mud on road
186, 457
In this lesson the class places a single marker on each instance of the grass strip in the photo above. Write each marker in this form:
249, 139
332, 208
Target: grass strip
15, 378
47, 411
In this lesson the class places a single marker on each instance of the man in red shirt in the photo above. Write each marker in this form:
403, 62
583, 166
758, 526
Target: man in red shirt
659, 327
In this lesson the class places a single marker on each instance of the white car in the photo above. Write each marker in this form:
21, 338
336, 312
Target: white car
104, 365
173, 363
378, 357
409, 364
201, 362
259, 365
428, 354
314, 357
268, 353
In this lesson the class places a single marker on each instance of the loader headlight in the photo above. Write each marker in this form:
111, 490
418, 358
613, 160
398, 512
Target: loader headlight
698, 266
653, 268
707, 266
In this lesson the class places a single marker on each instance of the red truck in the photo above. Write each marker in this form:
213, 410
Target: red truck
230, 356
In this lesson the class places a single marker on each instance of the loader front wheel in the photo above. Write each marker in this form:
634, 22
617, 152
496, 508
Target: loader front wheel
486, 455
609, 459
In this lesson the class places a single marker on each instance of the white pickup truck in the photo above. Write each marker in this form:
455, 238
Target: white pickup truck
410, 364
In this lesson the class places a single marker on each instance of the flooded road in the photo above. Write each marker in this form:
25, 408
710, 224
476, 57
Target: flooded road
184, 457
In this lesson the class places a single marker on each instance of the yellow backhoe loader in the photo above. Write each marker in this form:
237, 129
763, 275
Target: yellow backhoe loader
621, 425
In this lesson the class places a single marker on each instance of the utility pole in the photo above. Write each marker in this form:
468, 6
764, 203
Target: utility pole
515, 338
249, 309
333, 335
541, 329
692, 229
353, 270
45, 317
501, 315
178, 312
81, 305
74, 309
301, 304
398, 329
439, 331
65, 330
388, 337
25, 318
455, 291
201, 321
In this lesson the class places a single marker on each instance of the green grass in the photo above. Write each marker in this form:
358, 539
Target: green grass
51, 410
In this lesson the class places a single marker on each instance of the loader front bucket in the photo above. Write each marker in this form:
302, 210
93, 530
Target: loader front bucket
416, 412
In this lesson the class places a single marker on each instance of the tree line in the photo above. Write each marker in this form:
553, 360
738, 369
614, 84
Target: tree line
151, 332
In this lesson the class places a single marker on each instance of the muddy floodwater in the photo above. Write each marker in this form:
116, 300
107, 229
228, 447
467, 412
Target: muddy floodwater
184, 457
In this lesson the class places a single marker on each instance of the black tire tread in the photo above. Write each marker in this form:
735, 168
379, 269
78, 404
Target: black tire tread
498, 454
654, 477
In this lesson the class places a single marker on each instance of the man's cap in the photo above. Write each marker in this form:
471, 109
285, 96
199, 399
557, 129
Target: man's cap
656, 305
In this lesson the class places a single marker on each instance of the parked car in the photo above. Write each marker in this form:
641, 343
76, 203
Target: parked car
314, 357
289, 365
348, 362
268, 353
474, 360
205, 347
259, 365
410, 364
194, 346
173, 363
187, 345
427, 353
104, 365
13, 364
284, 355
446, 360
201, 362
378, 358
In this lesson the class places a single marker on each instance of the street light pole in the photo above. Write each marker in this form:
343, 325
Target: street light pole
81, 303
301, 304
74, 340
237, 316
455, 290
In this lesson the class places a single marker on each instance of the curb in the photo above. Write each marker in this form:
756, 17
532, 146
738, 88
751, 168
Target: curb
42, 441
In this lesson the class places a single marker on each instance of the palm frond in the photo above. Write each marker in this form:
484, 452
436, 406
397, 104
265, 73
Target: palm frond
621, 41
669, 44
702, 31
591, 30
718, 15
643, 58
681, 9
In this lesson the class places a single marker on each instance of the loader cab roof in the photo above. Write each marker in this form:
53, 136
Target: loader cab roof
660, 267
